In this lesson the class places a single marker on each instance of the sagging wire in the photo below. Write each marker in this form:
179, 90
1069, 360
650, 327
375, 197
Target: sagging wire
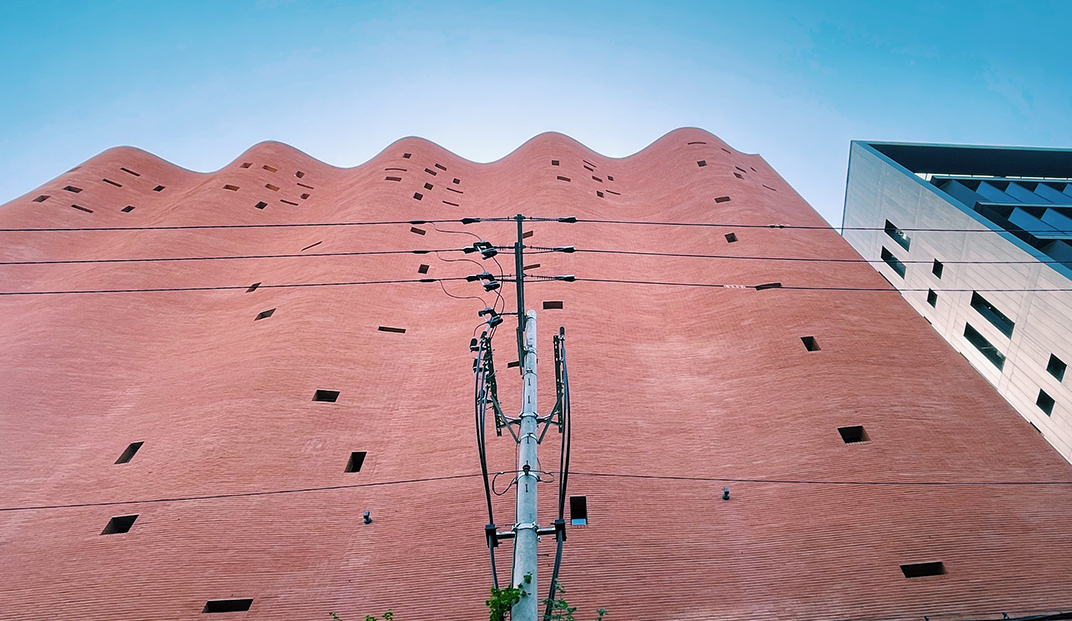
483, 354
565, 428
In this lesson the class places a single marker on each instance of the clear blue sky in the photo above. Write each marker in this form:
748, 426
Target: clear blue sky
199, 82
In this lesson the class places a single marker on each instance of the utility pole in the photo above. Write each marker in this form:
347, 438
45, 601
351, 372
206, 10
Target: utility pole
526, 525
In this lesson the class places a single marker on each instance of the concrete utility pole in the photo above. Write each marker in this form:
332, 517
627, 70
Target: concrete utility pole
526, 526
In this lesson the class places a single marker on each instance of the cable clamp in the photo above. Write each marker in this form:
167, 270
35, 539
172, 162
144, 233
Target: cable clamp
492, 535
526, 526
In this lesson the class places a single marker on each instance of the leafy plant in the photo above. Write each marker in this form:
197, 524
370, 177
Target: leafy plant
503, 600
562, 611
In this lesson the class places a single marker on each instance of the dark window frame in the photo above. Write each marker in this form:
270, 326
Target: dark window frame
984, 346
898, 235
894, 263
991, 313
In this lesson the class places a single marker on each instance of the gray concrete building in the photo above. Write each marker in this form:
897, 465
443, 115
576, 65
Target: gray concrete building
979, 241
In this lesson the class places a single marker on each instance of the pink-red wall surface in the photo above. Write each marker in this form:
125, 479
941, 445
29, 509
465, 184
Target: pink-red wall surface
240, 488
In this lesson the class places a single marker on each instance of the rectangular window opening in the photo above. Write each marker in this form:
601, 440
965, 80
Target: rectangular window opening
233, 188
428, 186
129, 171
265, 314
129, 452
127, 209
418, 195
110, 182
854, 434
304, 196
440, 167
227, 605
451, 204
722, 199
81, 208
989, 351
554, 162
738, 175
697, 142
513, 365
261, 205
119, 525
578, 510
898, 235
1045, 402
41, 199
701, 163
932, 298
731, 237
299, 174
992, 314
307, 187
810, 343
430, 171
392, 178
422, 268
253, 287
356, 459
246, 164
595, 178
456, 180
286, 202
937, 268
390, 329
269, 168
271, 187
531, 266
609, 178
418, 231
919, 570
561, 178
406, 156
527, 234
552, 304
588, 168
330, 396
71, 188
1056, 367
158, 188
893, 262
599, 194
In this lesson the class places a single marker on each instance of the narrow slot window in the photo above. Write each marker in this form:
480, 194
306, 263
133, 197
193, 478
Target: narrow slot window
392, 178
1045, 402
330, 396
919, 570
440, 167
893, 262
561, 178
265, 314
588, 168
740, 169
81, 208
767, 186
129, 452
285, 201
697, 142
253, 287
989, 351
1056, 367
578, 510
422, 268
418, 231
527, 234
357, 458
390, 329
261, 205
119, 525
41, 199
595, 178
937, 268
158, 188
127, 209
552, 304
271, 187
227, 605
110, 182
313, 245
233, 188
810, 343
129, 171
451, 204
722, 199
992, 314
71, 188
738, 175
430, 171
307, 187
269, 168
932, 298
731, 237
898, 235
852, 435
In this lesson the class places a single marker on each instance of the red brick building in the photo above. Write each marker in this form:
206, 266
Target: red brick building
238, 477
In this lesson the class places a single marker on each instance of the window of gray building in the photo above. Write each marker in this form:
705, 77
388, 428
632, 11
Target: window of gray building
1045, 402
937, 268
898, 235
893, 262
1056, 367
979, 341
992, 314
932, 298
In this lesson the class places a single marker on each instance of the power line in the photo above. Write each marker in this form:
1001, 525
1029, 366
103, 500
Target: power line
193, 227
687, 255
226, 258
276, 492
807, 227
800, 287
819, 482
234, 287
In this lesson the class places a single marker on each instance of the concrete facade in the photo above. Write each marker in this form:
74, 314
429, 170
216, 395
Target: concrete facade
979, 257
879, 453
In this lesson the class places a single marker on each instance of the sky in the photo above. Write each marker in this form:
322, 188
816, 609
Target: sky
197, 83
